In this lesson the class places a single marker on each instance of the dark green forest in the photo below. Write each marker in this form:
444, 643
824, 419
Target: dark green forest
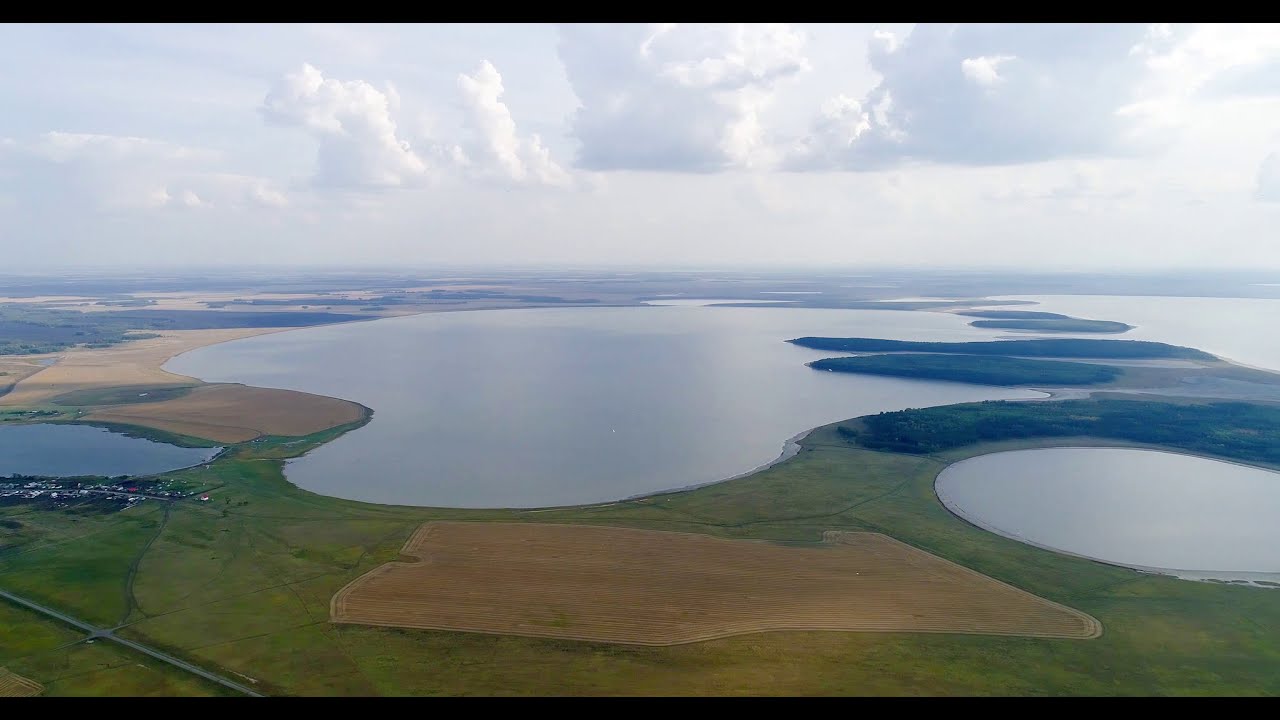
1053, 347
1056, 325
1241, 431
978, 369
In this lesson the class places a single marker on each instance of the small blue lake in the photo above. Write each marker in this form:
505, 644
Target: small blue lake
76, 450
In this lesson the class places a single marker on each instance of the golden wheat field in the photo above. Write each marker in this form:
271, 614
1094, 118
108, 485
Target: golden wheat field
646, 587
12, 685
236, 413
14, 369
137, 362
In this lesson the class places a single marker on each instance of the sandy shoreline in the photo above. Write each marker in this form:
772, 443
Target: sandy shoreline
137, 362
220, 412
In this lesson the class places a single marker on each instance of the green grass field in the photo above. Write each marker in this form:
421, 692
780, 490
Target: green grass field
39, 648
241, 585
122, 395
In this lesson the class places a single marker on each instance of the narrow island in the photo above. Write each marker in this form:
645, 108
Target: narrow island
1052, 347
1042, 322
976, 369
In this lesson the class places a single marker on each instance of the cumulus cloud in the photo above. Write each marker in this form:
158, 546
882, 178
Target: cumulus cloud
984, 95
500, 146
1188, 56
840, 122
351, 120
883, 42
1191, 63
117, 173
675, 97
1269, 179
984, 70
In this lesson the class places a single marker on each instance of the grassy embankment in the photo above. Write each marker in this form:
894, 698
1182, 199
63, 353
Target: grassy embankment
242, 584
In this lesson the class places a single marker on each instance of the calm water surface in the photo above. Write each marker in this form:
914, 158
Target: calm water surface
1239, 329
1139, 508
75, 450
538, 407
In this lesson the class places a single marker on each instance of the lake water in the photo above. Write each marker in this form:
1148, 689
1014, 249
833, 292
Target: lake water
75, 450
539, 407
1239, 329
1186, 515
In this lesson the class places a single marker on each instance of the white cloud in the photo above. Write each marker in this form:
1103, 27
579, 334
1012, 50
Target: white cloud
984, 70
64, 147
1189, 56
1269, 179
676, 97
1093, 146
1188, 62
190, 199
120, 173
511, 156
237, 191
351, 120
840, 122
883, 42
1060, 87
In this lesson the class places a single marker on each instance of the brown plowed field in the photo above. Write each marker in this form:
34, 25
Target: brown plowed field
236, 413
647, 587
17, 686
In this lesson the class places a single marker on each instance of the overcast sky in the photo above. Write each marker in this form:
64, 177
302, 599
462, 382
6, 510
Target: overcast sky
1040, 147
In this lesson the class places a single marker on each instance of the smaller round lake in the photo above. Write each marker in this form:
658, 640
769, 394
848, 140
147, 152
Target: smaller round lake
1146, 509
76, 450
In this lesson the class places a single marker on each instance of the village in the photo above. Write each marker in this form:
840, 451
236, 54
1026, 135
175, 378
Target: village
120, 492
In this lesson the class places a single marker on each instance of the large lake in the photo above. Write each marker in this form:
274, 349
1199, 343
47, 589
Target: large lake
1192, 516
76, 450
540, 407
1238, 329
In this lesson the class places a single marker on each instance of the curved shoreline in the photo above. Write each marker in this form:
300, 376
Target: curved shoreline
1270, 580
790, 448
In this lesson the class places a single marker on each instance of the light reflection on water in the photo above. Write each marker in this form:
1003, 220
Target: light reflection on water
1138, 508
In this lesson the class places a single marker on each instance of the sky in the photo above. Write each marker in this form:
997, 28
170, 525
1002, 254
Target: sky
1039, 147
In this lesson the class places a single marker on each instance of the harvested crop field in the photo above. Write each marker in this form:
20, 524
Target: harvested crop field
645, 587
133, 363
17, 686
13, 370
236, 413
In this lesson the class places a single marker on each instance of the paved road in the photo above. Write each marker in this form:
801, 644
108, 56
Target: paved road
97, 632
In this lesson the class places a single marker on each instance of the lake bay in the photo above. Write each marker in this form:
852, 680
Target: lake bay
541, 407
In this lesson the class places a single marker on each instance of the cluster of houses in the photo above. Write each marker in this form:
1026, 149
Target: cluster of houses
62, 492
